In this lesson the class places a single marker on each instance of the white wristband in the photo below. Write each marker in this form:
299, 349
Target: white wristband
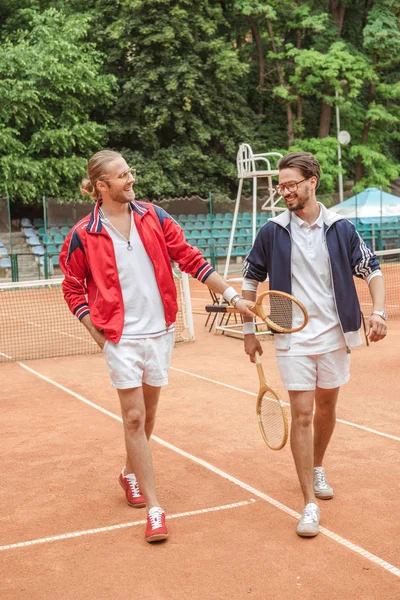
229, 293
248, 327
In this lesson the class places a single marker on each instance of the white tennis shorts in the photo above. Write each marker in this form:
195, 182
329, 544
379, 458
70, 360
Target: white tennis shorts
134, 362
327, 371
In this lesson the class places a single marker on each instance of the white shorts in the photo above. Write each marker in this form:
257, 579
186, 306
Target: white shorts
327, 371
134, 362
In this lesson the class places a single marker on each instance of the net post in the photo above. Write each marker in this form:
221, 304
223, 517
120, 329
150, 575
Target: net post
9, 220
188, 305
14, 268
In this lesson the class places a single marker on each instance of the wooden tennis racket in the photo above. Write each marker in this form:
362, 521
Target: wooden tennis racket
282, 312
364, 328
271, 413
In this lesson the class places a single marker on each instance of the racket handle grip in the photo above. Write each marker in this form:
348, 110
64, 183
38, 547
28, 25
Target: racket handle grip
220, 308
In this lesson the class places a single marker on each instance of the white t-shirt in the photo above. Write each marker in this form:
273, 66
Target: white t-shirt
144, 310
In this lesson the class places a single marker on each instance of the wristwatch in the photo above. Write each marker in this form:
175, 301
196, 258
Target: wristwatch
380, 313
236, 299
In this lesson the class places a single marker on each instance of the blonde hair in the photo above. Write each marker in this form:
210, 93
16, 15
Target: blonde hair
96, 170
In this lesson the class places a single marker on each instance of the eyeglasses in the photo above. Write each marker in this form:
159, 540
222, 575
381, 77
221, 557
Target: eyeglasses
125, 176
291, 186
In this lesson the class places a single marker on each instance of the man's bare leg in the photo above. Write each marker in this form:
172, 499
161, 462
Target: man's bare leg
324, 421
301, 440
139, 459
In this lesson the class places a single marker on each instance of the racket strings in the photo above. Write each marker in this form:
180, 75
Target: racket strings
271, 420
282, 312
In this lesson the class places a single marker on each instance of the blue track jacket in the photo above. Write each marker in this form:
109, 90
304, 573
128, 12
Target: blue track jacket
349, 255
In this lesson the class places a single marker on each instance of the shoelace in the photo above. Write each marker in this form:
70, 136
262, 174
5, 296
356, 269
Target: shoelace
133, 484
310, 515
321, 481
155, 518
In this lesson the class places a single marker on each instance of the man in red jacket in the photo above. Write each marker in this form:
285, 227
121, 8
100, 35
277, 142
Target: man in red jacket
119, 283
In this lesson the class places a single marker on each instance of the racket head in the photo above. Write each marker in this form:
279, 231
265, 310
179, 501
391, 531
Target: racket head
272, 418
282, 312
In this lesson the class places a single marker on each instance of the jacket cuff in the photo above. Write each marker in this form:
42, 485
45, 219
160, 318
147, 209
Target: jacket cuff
205, 271
81, 311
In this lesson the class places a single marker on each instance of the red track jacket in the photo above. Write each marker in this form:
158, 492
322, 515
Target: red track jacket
91, 282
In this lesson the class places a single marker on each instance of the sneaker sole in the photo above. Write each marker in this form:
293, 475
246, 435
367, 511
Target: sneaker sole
141, 505
307, 534
325, 497
157, 538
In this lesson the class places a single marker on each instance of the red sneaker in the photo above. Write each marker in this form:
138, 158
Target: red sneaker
156, 529
134, 496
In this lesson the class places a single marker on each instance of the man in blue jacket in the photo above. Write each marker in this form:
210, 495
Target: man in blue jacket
313, 254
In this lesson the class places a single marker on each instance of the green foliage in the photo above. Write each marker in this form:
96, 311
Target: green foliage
50, 84
177, 86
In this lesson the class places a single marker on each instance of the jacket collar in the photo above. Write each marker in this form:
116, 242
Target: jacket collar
328, 217
95, 225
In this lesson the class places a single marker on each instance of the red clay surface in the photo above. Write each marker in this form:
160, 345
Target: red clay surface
61, 460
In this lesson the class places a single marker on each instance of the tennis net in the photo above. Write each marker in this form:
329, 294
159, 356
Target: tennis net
390, 267
36, 323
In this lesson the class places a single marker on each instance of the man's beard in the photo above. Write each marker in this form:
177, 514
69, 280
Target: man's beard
117, 197
298, 205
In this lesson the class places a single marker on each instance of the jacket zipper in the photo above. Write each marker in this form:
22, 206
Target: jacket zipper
333, 290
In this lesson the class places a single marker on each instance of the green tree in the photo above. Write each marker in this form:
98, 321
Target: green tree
182, 108
50, 85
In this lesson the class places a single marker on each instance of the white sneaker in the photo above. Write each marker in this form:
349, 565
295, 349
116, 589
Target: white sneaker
322, 489
309, 522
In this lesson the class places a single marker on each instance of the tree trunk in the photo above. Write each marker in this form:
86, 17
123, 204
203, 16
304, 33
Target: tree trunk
281, 79
260, 60
325, 120
299, 120
338, 10
366, 128
260, 52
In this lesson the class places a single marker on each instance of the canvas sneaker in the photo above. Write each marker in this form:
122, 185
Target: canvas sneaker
322, 489
134, 496
309, 522
156, 529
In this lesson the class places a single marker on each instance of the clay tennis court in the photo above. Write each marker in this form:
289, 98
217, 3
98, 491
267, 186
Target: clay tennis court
232, 504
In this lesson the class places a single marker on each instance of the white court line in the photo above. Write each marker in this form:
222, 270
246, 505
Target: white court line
232, 387
337, 538
56, 538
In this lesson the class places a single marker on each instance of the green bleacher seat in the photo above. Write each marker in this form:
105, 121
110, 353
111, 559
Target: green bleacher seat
47, 239
38, 222
65, 231
51, 249
58, 238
